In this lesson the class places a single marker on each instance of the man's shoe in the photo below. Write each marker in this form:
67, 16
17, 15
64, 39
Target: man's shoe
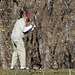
23, 68
12, 68
26, 68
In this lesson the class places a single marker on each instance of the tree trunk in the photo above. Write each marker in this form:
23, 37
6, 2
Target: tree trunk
2, 51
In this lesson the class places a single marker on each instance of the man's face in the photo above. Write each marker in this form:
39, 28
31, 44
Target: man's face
27, 20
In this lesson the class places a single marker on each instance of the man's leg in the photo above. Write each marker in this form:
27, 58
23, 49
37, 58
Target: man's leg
14, 56
21, 53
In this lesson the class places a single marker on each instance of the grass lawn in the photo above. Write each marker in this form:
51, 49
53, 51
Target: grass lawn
38, 72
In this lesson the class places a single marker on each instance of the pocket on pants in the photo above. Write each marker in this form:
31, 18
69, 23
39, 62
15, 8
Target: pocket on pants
20, 45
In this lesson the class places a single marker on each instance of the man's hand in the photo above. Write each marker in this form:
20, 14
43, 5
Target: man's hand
32, 23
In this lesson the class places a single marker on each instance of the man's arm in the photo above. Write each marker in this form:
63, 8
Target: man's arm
29, 28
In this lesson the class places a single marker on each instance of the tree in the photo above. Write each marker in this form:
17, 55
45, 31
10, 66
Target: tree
52, 40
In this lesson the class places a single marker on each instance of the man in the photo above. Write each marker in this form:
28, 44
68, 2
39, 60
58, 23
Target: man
17, 36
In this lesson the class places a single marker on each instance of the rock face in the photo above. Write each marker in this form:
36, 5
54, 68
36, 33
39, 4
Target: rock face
54, 36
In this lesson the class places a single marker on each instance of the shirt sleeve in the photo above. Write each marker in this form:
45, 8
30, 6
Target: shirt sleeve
28, 28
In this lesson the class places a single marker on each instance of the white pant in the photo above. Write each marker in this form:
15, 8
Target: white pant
18, 52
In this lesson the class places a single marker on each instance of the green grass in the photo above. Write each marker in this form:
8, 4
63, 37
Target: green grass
38, 72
